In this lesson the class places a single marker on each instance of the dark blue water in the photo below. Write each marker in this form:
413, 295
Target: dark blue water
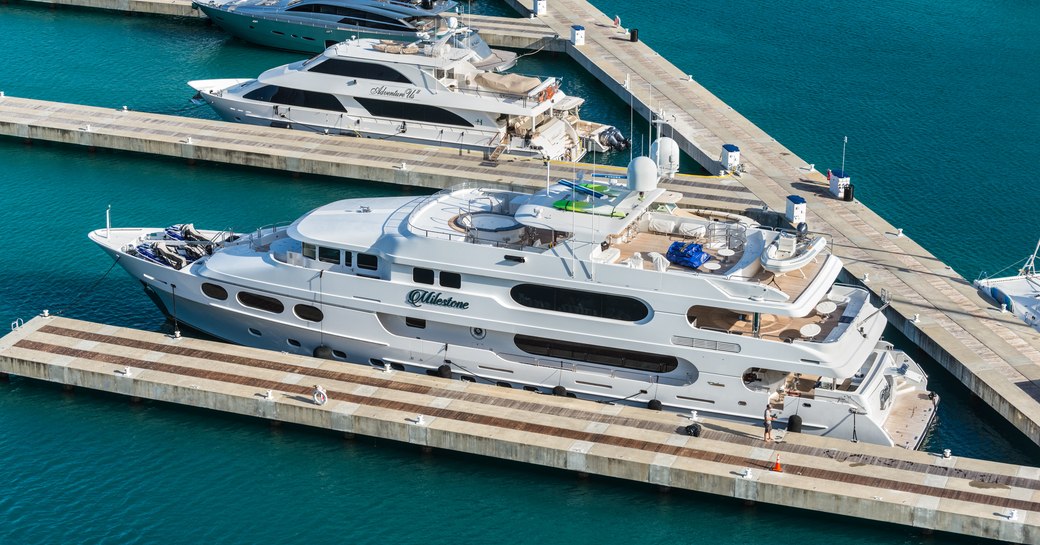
938, 102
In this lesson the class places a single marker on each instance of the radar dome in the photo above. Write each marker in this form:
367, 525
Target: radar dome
665, 152
642, 174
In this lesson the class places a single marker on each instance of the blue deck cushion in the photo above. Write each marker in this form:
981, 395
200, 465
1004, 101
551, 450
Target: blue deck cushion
688, 255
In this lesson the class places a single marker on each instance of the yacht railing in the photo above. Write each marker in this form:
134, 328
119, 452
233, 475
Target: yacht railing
265, 235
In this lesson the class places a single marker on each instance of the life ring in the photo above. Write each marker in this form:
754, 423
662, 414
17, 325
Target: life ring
320, 397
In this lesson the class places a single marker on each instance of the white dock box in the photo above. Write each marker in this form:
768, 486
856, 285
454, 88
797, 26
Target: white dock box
730, 157
795, 209
541, 7
577, 35
839, 183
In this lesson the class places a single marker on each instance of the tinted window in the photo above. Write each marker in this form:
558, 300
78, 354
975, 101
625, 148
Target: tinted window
296, 97
367, 261
415, 322
451, 280
310, 250
214, 291
422, 276
411, 112
348, 258
308, 313
328, 255
260, 302
363, 70
629, 359
586, 303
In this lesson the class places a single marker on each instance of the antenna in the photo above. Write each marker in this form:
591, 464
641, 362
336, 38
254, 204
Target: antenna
631, 119
843, 144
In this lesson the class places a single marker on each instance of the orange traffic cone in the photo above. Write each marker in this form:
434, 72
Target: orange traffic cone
776, 466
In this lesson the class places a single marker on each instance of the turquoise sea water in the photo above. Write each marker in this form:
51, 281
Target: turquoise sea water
938, 101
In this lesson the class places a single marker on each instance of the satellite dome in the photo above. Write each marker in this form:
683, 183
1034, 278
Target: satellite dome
665, 152
642, 174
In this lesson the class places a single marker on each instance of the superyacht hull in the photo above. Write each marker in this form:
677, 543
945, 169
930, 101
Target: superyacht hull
358, 329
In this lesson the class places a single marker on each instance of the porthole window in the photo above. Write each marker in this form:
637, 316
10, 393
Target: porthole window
260, 302
255, 332
339, 354
367, 261
214, 291
422, 276
293, 342
451, 280
328, 255
308, 313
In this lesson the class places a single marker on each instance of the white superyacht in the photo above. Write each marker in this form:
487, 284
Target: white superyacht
596, 288
422, 92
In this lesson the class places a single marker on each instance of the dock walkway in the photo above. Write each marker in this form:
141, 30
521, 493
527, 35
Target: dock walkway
312, 153
961, 495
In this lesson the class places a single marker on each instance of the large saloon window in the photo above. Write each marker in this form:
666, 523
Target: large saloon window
260, 302
363, 70
586, 303
629, 359
296, 97
411, 112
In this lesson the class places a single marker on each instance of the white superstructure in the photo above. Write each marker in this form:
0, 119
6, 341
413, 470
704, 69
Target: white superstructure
1018, 294
576, 290
423, 92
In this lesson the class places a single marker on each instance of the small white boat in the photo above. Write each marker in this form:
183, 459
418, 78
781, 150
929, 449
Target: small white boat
790, 252
1019, 294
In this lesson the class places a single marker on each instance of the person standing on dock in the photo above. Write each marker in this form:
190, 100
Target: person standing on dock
768, 417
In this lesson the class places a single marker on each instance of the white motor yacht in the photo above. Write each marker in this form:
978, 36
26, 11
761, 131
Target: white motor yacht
1018, 294
596, 288
423, 92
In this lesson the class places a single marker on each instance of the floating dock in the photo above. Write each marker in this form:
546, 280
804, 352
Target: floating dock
992, 353
313, 153
917, 489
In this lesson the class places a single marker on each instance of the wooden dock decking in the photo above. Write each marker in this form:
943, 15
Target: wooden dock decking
996, 356
917, 489
312, 153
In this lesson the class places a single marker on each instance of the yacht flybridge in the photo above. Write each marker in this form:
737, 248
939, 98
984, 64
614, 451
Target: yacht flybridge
427, 93
599, 288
